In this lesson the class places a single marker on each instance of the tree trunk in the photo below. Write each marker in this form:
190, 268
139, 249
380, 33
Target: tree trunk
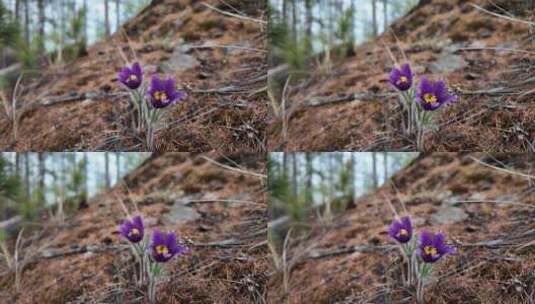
17, 164
86, 180
353, 21
295, 190
285, 166
107, 17
107, 168
41, 26
385, 164
85, 22
308, 7
308, 183
27, 174
117, 15
26, 22
385, 14
294, 22
374, 171
374, 18
42, 170
351, 168
118, 165
285, 12
17, 10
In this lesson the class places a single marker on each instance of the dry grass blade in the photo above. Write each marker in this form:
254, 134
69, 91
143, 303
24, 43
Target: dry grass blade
502, 16
234, 15
283, 113
529, 177
233, 169
18, 267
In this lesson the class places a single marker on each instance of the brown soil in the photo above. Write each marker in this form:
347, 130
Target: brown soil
495, 242
481, 121
228, 262
225, 109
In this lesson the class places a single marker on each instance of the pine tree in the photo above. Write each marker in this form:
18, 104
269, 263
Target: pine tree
9, 29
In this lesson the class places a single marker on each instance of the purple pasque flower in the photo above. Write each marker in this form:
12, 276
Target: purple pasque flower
432, 247
433, 94
131, 77
401, 230
132, 230
164, 246
163, 93
401, 78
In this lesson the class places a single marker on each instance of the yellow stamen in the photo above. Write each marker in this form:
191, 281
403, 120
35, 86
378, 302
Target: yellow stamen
430, 250
160, 96
132, 78
402, 80
403, 232
134, 231
430, 98
160, 249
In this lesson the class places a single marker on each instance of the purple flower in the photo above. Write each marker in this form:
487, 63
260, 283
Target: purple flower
163, 246
131, 77
401, 231
163, 93
401, 78
432, 247
431, 95
132, 230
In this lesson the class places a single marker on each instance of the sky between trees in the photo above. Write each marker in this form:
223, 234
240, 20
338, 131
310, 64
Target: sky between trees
45, 179
308, 180
324, 20
54, 17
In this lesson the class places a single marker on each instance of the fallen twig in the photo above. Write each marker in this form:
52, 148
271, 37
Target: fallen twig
322, 101
54, 253
234, 15
318, 254
223, 243
502, 169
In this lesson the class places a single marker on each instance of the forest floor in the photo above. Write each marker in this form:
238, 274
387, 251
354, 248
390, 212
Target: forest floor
217, 58
483, 202
219, 212
487, 60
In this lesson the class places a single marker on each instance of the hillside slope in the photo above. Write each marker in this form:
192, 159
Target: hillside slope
219, 60
486, 213
488, 61
219, 213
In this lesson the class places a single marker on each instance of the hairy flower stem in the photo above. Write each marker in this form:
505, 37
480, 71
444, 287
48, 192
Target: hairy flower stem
410, 110
153, 115
408, 254
138, 101
155, 271
424, 269
417, 119
139, 250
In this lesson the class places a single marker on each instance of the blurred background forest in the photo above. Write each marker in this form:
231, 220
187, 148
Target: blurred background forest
306, 188
302, 28
56, 184
36, 32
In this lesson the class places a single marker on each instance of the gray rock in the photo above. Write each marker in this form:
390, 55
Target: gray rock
180, 60
443, 195
505, 46
452, 201
507, 198
478, 44
454, 47
448, 63
179, 214
478, 196
448, 215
